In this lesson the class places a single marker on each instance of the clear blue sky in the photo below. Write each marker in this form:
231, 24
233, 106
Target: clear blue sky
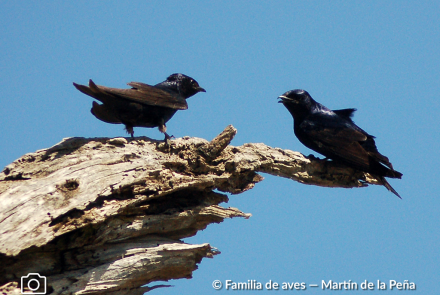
381, 57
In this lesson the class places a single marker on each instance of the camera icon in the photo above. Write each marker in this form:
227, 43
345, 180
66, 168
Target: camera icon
33, 283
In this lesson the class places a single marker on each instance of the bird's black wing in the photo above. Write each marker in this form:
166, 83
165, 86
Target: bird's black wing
334, 139
343, 140
140, 93
151, 95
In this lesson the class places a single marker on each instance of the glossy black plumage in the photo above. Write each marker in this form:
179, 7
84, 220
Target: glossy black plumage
334, 135
142, 105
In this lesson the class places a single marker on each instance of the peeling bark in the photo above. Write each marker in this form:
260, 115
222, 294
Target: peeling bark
106, 215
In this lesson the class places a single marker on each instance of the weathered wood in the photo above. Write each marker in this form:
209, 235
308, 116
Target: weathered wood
83, 207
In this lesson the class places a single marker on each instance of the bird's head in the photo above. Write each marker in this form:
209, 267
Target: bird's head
297, 96
186, 85
298, 102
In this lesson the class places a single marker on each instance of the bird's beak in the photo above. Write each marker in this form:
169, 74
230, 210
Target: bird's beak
285, 99
200, 89
282, 98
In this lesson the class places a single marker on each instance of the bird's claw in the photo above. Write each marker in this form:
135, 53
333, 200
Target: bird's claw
167, 137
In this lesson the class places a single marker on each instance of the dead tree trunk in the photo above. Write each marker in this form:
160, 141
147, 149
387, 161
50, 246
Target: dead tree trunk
106, 215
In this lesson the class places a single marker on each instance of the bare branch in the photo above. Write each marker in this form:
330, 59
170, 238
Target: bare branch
92, 214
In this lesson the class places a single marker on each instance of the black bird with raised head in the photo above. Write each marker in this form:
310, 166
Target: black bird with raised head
142, 105
335, 135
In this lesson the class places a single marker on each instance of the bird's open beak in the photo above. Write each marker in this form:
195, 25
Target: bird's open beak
285, 99
282, 98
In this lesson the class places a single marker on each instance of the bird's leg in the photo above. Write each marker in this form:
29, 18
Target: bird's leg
167, 137
163, 129
129, 130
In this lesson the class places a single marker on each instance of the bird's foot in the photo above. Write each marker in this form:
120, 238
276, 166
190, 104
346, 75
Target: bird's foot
168, 138
312, 157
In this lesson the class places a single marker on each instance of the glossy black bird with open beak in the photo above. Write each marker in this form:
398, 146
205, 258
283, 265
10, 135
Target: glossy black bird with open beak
142, 105
335, 135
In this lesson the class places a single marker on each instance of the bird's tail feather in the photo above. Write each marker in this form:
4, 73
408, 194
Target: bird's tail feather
389, 187
84, 89
92, 90
393, 174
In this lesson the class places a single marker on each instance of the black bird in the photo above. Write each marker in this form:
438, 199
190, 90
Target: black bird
142, 105
334, 135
